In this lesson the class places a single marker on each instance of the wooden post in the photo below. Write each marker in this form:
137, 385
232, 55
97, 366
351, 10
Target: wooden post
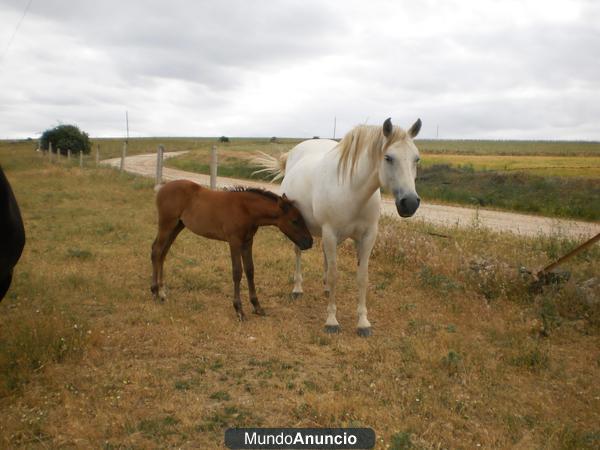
98, 154
50, 151
80, 159
68, 154
573, 252
57, 154
213, 167
159, 164
123, 155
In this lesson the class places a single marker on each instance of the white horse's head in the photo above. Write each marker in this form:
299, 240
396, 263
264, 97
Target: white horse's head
398, 166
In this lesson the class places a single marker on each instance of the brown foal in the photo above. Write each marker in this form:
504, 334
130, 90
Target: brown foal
230, 215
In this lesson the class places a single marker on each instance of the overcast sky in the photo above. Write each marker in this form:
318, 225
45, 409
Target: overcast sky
523, 69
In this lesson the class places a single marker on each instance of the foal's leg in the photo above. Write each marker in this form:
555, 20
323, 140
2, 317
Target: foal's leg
167, 232
249, 270
236, 270
364, 247
330, 250
297, 291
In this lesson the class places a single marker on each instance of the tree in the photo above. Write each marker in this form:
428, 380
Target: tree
66, 137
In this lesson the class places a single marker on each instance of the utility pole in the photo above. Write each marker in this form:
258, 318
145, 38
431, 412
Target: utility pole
334, 125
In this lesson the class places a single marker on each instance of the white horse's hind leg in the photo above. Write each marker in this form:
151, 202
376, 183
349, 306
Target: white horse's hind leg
364, 248
325, 284
330, 250
297, 291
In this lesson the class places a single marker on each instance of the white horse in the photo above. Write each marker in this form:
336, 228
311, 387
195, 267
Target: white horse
336, 186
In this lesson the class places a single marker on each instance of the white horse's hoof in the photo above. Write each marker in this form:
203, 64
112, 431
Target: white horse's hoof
296, 295
364, 332
332, 329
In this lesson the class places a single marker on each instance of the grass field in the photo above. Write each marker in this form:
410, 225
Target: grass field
516, 148
463, 355
545, 184
544, 165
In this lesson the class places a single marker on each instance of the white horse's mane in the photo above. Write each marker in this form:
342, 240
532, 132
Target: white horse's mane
361, 139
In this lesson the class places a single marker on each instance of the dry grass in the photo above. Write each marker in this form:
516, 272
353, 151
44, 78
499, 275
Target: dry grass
462, 354
111, 148
507, 147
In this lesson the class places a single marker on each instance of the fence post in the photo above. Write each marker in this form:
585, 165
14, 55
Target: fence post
57, 154
50, 151
80, 159
213, 167
123, 154
97, 154
159, 164
68, 154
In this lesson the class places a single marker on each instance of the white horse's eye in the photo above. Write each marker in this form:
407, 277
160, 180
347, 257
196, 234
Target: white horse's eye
388, 159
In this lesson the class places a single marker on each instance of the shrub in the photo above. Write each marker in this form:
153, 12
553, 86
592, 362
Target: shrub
66, 137
223, 139
401, 441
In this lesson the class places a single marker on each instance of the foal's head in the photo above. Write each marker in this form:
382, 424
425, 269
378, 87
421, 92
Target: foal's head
291, 223
398, 166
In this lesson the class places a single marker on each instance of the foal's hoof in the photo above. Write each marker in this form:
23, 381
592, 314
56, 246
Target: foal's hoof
296, 295
259, 311
332, 329
157, 294
364, 332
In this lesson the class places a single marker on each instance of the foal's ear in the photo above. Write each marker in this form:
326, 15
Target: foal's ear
387, 127
414, 130
284, 203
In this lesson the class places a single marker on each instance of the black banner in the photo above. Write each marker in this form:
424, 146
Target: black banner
299, 438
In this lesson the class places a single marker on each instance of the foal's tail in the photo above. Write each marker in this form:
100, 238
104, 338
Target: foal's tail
271, 165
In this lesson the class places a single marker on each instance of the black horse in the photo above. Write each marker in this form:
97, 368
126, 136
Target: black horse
12, 234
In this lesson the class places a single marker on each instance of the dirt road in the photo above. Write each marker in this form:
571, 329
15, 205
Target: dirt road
523, 224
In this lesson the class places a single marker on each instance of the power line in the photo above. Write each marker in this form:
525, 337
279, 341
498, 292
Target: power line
12, 38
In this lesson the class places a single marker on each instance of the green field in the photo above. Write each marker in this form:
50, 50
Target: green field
463, 354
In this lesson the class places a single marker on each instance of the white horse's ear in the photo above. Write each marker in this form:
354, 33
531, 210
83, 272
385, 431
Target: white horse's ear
414, 130
387, 127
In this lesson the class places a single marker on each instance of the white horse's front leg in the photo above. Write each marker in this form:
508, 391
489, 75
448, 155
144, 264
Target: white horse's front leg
297, 291
364, 247
330, 251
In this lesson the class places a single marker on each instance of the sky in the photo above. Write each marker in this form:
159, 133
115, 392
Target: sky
485, 69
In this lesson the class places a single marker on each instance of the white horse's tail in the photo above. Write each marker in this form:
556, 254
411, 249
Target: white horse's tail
271, 165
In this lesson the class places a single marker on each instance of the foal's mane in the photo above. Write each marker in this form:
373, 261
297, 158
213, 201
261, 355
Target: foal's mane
267, 194
364, 139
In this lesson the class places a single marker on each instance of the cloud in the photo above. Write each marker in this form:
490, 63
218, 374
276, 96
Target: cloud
482, 69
